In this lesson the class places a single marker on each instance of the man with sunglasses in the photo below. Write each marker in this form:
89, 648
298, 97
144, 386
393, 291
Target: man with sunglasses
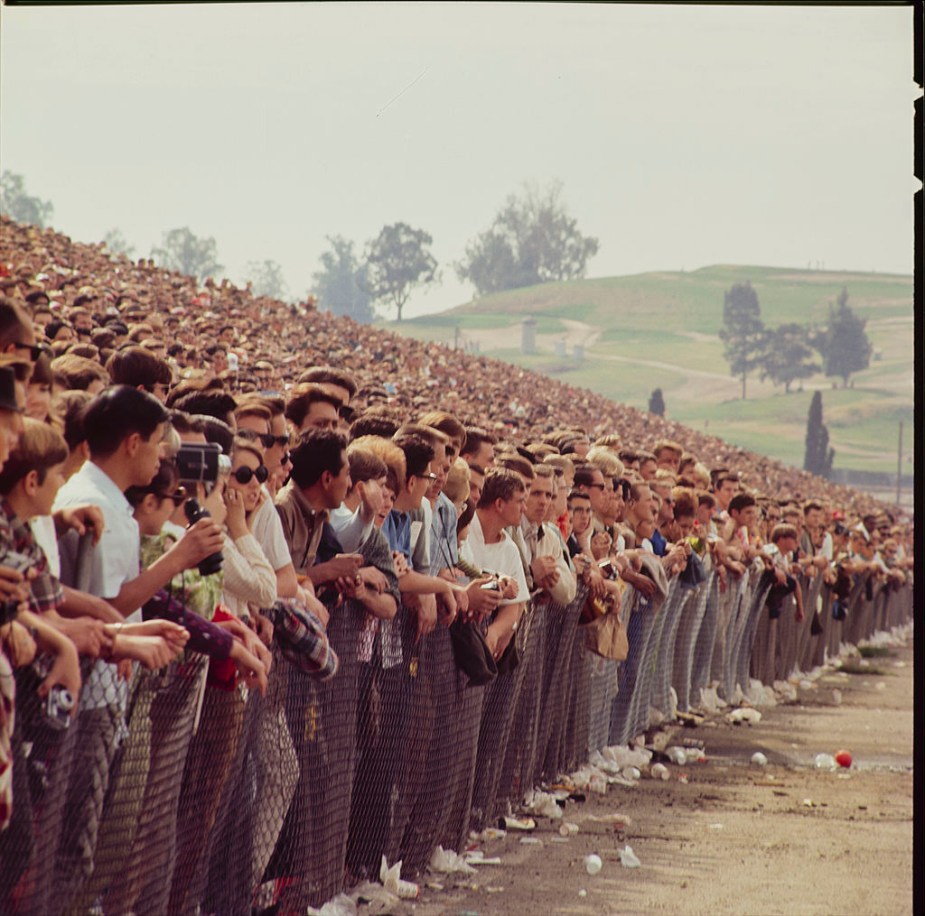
17, 333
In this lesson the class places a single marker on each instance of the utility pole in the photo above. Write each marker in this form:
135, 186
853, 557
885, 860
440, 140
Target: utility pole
899, 465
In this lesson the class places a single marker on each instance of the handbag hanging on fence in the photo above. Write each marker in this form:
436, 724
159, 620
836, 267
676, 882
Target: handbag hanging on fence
471, 652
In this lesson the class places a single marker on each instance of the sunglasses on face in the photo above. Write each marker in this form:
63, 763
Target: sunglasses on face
268, 440
178, 497
34, 350
244, 475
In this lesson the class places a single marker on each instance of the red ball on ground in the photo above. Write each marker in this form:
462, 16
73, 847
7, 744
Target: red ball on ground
843, 758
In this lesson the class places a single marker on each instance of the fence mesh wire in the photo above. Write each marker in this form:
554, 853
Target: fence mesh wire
168, 794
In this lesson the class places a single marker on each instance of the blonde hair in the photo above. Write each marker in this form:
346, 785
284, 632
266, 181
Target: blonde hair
457, 481
606, 461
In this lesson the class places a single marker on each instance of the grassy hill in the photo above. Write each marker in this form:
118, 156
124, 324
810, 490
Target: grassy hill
661, 330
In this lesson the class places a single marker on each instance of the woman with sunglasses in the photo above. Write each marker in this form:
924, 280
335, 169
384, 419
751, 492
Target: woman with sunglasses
250, 581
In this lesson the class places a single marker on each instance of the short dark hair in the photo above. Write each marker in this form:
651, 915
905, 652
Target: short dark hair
165, 481
475, 438
741, 501
317, 451
373, 423
418, 454
68, 407
211, 402
326, 375
138, 366
116, 413
302, 399
584, 475
500, 483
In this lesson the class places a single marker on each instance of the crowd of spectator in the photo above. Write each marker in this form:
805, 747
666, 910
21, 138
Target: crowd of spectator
149, 424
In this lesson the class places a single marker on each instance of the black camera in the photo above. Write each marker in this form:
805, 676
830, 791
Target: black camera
212, 563
58, 708
20, 562
201, 462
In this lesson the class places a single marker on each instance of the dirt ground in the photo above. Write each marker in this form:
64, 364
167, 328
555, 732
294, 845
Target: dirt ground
736, 838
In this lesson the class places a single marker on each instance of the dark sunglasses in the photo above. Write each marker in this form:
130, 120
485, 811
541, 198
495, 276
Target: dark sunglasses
34, 350
244, 475
268, 440
178, 497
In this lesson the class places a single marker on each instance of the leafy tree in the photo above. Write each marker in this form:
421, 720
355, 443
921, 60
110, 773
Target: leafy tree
397, 261
18, 205
341, 284
266, 278
786, 355
185, 252
743, 331
532, 240
116, 243
818, 456
657, 403
844, 345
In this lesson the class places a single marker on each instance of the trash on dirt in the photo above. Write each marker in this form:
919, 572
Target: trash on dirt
616, 820
744, 714
341, 905
628, 858
695, 754
568, 829
716, 826
593, 864
544, 805
477, 857
785, 691
624, 756
449, 862
489, 833
494, 890
530, 841
369, 892
582, 893
836, 697
683, 778
659, 771
759, 760
824, 762
759, 695
518, 823
808, 803
676, 755
710, 701
843, 758
631, 773
880, 685
391, 881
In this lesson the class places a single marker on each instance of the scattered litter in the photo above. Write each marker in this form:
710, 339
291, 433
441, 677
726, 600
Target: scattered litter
659, 771
808, 803
684, 778
806, 685
582, 893
370, 892
530, 841
843, 758
785, 691
341, 905
434, 886
558, 839
695, 754
628, 858
632, 773
489, 833
744, 714
494, 890
568, 829
449, 862
477, 857
593, 864
716, 826
544, 805
519, 823
836, 697
624, 756
759, 760
676, 755
880, 685
710, 701
759, 695
391, 881
824, 762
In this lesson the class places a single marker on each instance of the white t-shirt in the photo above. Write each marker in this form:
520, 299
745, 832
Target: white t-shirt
502, 558
267, 528
43, 530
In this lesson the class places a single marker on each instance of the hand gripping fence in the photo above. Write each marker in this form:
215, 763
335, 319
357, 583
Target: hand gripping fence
172, 794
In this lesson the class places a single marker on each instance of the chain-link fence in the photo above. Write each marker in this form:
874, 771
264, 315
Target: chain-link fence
177, 793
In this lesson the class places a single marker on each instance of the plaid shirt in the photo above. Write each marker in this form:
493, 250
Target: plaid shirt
302, 639
16, 537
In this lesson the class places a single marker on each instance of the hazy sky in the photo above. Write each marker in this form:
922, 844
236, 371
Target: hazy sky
684, 136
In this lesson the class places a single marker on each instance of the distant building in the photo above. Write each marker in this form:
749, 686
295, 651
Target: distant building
528, 335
